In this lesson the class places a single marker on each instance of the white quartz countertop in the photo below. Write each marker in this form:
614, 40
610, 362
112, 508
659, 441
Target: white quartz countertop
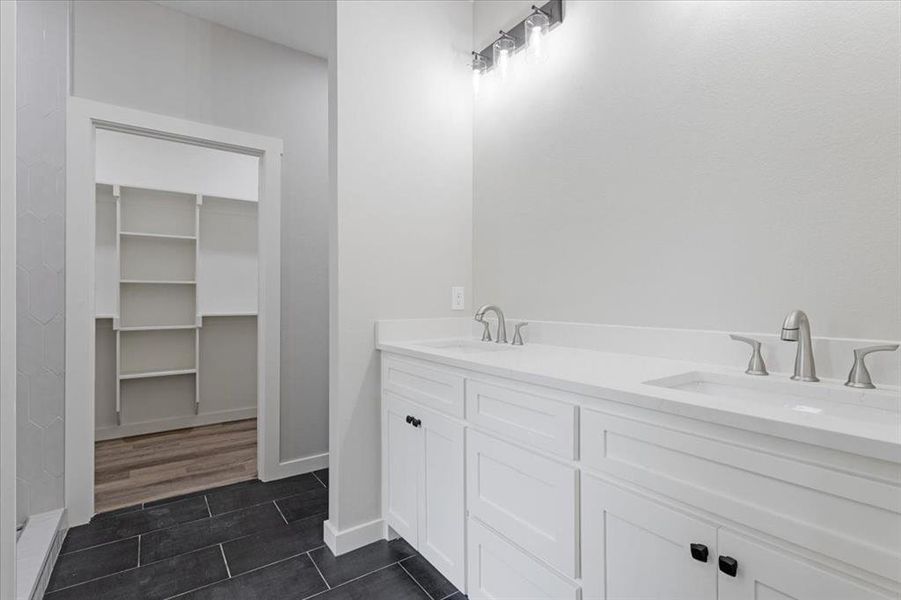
828, 414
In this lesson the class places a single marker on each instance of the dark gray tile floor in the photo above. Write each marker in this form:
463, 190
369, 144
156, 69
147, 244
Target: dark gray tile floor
250, 540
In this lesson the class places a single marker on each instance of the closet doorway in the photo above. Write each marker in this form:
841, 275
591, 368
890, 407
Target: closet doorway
173, 249
176, 306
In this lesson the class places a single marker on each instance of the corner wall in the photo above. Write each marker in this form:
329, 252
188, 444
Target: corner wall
401, 143
706, 165
42, 68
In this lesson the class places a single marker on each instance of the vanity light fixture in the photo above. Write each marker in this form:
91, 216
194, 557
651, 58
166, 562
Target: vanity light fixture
537, 25
530, 33
504, 48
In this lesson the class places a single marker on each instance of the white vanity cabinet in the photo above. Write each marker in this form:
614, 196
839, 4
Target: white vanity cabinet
423, 483
579, 497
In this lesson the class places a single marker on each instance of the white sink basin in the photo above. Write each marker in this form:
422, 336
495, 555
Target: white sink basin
467, 346
827, 399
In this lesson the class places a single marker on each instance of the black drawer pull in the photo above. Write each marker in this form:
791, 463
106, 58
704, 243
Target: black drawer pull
409, 420
728, 565
416, 422
699, 552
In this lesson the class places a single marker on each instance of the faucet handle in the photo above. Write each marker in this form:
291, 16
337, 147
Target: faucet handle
859, 377
486, 333
756, 365
517, 332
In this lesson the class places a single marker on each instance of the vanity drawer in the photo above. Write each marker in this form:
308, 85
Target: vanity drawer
789, 490
526, 497
422, 382
533, 415
500, 571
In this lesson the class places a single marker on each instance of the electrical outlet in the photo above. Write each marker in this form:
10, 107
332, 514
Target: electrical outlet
458, 298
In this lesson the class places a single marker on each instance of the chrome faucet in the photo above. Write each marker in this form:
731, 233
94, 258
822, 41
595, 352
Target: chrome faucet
501, 325
796, 328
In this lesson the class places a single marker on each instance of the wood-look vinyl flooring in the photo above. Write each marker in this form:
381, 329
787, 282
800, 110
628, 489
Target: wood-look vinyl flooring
144, 468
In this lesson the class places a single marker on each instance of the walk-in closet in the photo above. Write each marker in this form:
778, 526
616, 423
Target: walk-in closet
176, 309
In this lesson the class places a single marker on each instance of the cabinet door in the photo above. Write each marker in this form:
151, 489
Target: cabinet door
767, 574
442, 510
498, 570
634, 547
401, 462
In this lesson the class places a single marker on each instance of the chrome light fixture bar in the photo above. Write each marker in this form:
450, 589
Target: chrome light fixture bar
519, 34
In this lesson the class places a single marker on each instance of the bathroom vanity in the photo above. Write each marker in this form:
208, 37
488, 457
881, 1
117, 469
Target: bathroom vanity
551, 472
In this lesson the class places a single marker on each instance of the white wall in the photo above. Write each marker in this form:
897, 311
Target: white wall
145, 56
697, 165
7, 299
42, 79
140, 161
401, 127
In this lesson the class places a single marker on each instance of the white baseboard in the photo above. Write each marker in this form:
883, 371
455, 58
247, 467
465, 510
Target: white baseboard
342, 542
36, 552
298, 466
224, 416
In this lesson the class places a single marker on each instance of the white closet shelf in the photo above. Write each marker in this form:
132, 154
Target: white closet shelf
150, 374
160, 281
165, 236
235, 313
157, 327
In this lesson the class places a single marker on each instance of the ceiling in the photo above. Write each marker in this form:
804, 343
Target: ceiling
299, 24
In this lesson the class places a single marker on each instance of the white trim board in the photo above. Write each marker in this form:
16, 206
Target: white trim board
299, 466
342, 542
7, 299
37, 550
222, 416
84, 117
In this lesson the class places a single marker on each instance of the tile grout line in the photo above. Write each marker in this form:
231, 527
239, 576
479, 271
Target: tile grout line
193, 589
190, 521
280, 512
98, 545
319, 480
212, 544
351, 580
225, 560
239, 575
327, 586
207, 502
139, 550
416, 581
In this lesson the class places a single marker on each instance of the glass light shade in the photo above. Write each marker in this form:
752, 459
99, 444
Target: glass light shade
537, 26
503, 54
479, 66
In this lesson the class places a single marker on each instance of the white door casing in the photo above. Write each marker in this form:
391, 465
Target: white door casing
84, 117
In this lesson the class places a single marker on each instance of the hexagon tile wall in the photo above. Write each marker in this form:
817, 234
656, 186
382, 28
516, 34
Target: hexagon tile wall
41, 88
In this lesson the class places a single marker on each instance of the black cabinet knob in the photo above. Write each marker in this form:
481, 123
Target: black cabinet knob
416, 422
409, 419
699, 552
728, 565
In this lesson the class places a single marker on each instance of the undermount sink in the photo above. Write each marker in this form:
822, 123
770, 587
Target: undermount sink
811, 398
467, 346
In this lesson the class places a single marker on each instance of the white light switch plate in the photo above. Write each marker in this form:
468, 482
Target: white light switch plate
458, 298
